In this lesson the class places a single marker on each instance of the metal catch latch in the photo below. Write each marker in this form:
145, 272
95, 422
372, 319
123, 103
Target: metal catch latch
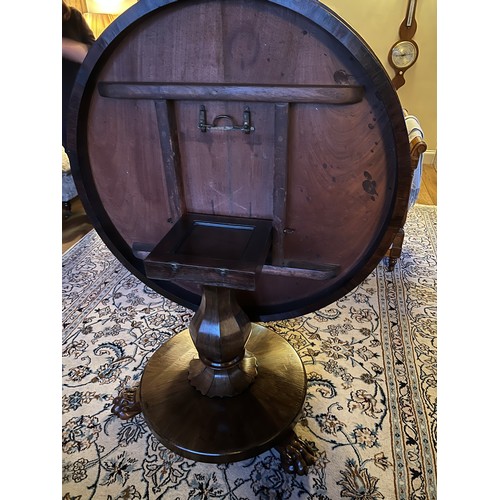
204, 126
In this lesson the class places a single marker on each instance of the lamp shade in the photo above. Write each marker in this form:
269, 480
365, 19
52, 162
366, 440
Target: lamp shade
108, 6
99, 22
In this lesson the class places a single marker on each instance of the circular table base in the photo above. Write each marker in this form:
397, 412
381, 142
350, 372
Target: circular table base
221, 430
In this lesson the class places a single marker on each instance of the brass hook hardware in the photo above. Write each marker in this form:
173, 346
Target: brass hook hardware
204, 126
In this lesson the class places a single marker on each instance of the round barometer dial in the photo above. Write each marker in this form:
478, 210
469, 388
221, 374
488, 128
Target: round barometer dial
404, 54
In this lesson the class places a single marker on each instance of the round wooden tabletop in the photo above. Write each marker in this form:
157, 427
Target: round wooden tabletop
266, 109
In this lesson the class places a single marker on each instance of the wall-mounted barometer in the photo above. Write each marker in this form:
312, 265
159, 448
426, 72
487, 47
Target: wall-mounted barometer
404, 53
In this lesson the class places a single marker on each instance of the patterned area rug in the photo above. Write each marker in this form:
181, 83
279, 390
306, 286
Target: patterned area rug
370, 411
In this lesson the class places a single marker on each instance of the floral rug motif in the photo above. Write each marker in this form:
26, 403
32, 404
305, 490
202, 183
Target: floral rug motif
370, 410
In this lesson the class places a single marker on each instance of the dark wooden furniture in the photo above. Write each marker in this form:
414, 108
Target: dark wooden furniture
247, 159
418, 147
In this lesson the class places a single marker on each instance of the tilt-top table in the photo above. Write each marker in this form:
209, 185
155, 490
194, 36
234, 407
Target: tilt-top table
249, 160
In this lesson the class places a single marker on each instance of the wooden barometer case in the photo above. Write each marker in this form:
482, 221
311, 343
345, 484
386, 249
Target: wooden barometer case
404, 53
247, 159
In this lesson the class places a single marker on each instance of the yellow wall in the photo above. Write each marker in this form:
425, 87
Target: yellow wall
377, 22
